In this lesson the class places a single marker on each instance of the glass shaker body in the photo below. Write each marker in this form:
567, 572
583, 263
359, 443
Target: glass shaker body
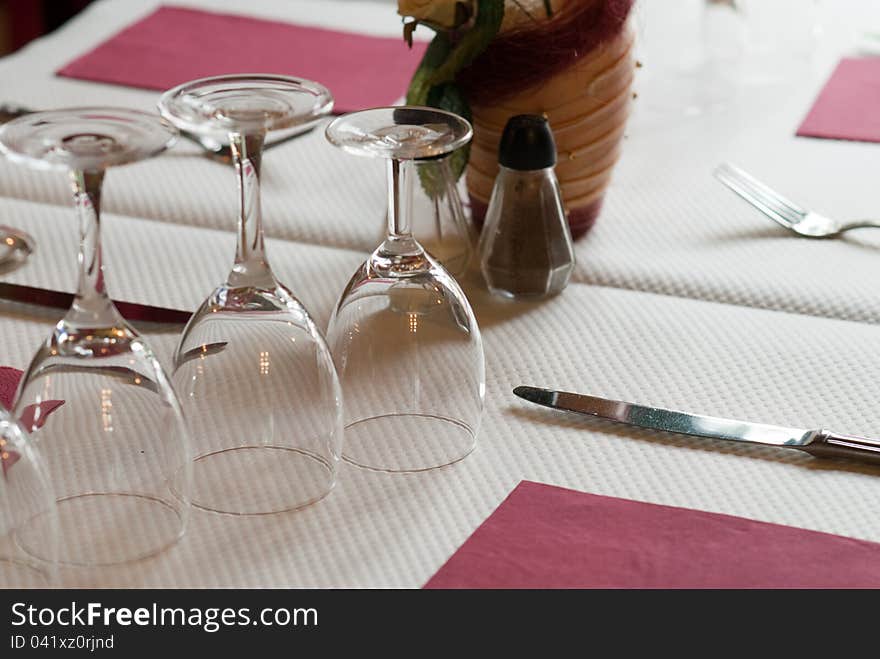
525, 246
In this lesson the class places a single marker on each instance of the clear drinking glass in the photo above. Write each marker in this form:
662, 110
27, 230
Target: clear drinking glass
438, 219
96, 401
25, 494
255, 374
404, 336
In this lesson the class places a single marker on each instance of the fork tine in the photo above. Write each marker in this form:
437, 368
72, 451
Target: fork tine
770, 196
755, 200
759, 197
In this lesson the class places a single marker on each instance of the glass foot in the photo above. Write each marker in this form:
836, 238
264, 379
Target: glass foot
245, 104
401, 133
87, 139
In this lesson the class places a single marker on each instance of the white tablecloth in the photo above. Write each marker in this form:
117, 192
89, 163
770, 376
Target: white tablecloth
726, 314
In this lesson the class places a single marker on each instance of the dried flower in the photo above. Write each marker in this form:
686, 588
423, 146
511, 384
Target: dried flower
439, 14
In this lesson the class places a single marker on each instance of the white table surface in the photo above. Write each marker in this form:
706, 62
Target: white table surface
683, 297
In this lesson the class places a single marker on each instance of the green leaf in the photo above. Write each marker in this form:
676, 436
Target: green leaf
490, 13
420, 85
447, 97
433, 83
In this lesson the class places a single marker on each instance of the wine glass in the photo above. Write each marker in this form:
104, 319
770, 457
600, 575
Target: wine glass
438, 219
406, 342
257, 380
25, 494
95, 399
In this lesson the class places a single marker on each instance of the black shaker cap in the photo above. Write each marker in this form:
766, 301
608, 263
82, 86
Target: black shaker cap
527, 143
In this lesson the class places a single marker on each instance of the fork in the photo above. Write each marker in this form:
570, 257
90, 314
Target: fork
781, 210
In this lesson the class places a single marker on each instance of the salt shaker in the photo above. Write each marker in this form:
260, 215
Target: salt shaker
525, 246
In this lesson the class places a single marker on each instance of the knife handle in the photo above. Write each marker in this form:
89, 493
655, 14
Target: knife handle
831, 445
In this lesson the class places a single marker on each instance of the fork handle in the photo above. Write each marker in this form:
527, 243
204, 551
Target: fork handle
828, 444
861, 224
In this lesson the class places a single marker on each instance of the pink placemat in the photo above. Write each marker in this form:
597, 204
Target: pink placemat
543, 536
175, 44
848, 108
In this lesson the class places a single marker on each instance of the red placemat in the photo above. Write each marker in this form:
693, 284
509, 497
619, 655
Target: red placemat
175, 44
848, 108
550, 537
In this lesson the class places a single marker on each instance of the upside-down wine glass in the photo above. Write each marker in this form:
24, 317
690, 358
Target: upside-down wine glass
407, 345
25, 493
255, 375
96, 401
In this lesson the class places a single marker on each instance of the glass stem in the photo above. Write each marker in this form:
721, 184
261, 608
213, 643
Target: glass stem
251, 267
92, 306
400, 181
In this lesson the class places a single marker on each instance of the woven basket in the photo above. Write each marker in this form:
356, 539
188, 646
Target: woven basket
587, 105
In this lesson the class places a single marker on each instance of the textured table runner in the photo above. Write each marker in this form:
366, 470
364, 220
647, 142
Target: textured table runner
385, 530
669, 228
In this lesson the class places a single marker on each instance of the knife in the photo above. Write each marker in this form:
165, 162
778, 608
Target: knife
818, 443
129, 310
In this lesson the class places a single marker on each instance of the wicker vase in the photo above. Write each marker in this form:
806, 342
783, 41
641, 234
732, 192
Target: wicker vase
587, 105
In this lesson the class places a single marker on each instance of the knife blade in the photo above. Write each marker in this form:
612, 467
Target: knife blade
818, 443
59, 300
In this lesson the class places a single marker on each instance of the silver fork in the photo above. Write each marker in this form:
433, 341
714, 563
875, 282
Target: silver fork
781, 210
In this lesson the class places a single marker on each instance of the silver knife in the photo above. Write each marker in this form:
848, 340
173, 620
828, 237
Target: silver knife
818, 443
